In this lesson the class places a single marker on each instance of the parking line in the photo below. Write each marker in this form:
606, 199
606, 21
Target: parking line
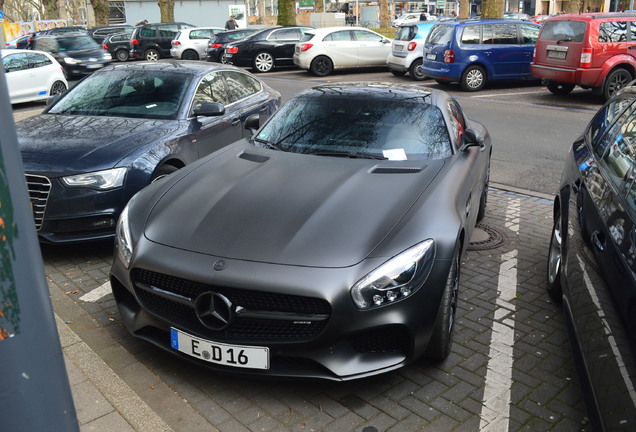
503, 94
97, 294
495, 410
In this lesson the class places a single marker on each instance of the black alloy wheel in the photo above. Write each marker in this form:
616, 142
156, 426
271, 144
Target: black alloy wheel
190, 55
321, 66
57, 88
554, 260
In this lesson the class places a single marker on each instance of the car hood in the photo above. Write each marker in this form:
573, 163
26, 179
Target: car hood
54, 144
270, 206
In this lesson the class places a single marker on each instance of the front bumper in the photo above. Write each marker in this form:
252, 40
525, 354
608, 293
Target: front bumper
334, 340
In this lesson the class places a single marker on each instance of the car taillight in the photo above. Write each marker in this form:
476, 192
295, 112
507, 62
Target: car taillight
449, 56
586, 57
412, 46
176, 43
232, 50
305, 46
105, 46
216, 45
134, 42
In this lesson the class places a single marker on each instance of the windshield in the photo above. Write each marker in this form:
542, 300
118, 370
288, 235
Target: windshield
119, 93
395, 129
573, 31
77, 43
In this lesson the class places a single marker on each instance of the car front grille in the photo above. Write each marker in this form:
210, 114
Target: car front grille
279, 312
39, 189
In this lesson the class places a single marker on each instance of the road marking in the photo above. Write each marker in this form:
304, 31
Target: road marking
503, 94
495, 411
98, 293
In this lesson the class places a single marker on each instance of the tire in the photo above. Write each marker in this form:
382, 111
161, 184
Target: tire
397, 73
442, 338
616, 80
122, 55
223, 58
263, 62
473, 78
415, 72
558, 88
57, 88
190, 55
152, 55
554, 260
321, 66
163, 171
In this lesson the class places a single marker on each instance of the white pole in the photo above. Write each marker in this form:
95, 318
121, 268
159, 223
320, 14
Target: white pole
357, 13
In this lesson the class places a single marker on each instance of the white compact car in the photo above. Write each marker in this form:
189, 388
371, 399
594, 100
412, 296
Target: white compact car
32, 75
320, 51
192, 43
409, 18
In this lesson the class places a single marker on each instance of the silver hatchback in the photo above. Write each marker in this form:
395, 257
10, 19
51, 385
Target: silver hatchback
192, 43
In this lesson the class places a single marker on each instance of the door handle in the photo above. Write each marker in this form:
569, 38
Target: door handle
598, 240
236, 121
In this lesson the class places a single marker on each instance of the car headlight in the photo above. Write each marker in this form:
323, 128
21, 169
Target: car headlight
102, 180
396, 279
123, 238
71, 60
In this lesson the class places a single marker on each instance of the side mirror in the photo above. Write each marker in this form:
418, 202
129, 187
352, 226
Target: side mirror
252, 123
210, 109
385, 41
471, 139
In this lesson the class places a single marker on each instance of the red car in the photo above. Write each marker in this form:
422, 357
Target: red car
592, 50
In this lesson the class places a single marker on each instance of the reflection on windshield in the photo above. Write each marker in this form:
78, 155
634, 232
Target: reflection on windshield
139, 94
330, 124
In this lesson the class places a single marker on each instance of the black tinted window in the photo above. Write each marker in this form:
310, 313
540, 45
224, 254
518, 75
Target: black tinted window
38, 60
240, 85
620, 147
406, 33
167, 30
614, 31
563, 30
440, 35
287, 34
147, 32
15, 62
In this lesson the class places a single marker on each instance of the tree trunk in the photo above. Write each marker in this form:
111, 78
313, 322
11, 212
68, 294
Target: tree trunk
102, 12
464, 9
492, 9
385, 17
286, 12
166, 7
51, 9
319, 6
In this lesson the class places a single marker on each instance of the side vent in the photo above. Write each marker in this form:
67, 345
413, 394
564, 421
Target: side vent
253, 157
395, 170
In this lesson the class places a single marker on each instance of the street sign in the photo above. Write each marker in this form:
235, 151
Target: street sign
441, 4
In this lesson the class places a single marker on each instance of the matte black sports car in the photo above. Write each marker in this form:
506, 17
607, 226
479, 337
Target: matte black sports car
122, 128
266, 49
592, 260
327, 246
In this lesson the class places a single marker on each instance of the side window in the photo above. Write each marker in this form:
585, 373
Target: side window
167, 30
344, 35
240, 85
505, 34
613, 31
147, 32
471, 35
363, 35
200, 34
601, 122
632, 27
38, 60
211, 89
529, 34
15, 62
620, 145
285, 34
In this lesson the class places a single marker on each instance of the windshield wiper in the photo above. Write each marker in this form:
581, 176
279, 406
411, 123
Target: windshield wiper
353, 155
565, 39
268, 144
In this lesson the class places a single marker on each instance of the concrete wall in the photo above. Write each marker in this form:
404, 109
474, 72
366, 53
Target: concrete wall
199, 13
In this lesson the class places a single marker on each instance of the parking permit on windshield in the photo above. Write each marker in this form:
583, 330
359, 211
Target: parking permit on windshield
394, 154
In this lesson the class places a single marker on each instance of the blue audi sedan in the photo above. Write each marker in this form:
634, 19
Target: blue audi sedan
124, 127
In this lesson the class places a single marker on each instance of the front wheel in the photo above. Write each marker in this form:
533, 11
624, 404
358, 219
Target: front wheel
442, 338
321, 66
558, 88
122, 55
554, 260
57, 88
415, 71
473, 79
263, 62
163, 171
152, 55
616, 80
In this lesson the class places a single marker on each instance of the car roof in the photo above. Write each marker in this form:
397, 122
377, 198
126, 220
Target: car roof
181, 67
378, 91
484, 21
324, 30
4, 52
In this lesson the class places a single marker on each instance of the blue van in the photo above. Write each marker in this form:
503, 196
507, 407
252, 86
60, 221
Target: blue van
406, 49
476, 52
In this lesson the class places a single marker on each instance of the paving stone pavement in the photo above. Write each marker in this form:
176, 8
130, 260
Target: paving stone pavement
121, 384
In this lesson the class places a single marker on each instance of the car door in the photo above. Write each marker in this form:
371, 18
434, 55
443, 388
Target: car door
342, 48
283, 43
501, 48
20, 76
212, 133
246, 98
373, 48
165, 34
200, 39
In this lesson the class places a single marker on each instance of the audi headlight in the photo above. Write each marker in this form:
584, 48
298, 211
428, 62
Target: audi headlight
396, 279
123, 238
102, 180
71, 60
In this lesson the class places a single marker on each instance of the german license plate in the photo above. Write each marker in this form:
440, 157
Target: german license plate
557, 54
94, 66
399, 47
219, 353
430, 56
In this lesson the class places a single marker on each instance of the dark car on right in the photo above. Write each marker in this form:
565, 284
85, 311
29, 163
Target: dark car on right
592, 260
118, 45
101, 33
216, 48
153, 41
266, 49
